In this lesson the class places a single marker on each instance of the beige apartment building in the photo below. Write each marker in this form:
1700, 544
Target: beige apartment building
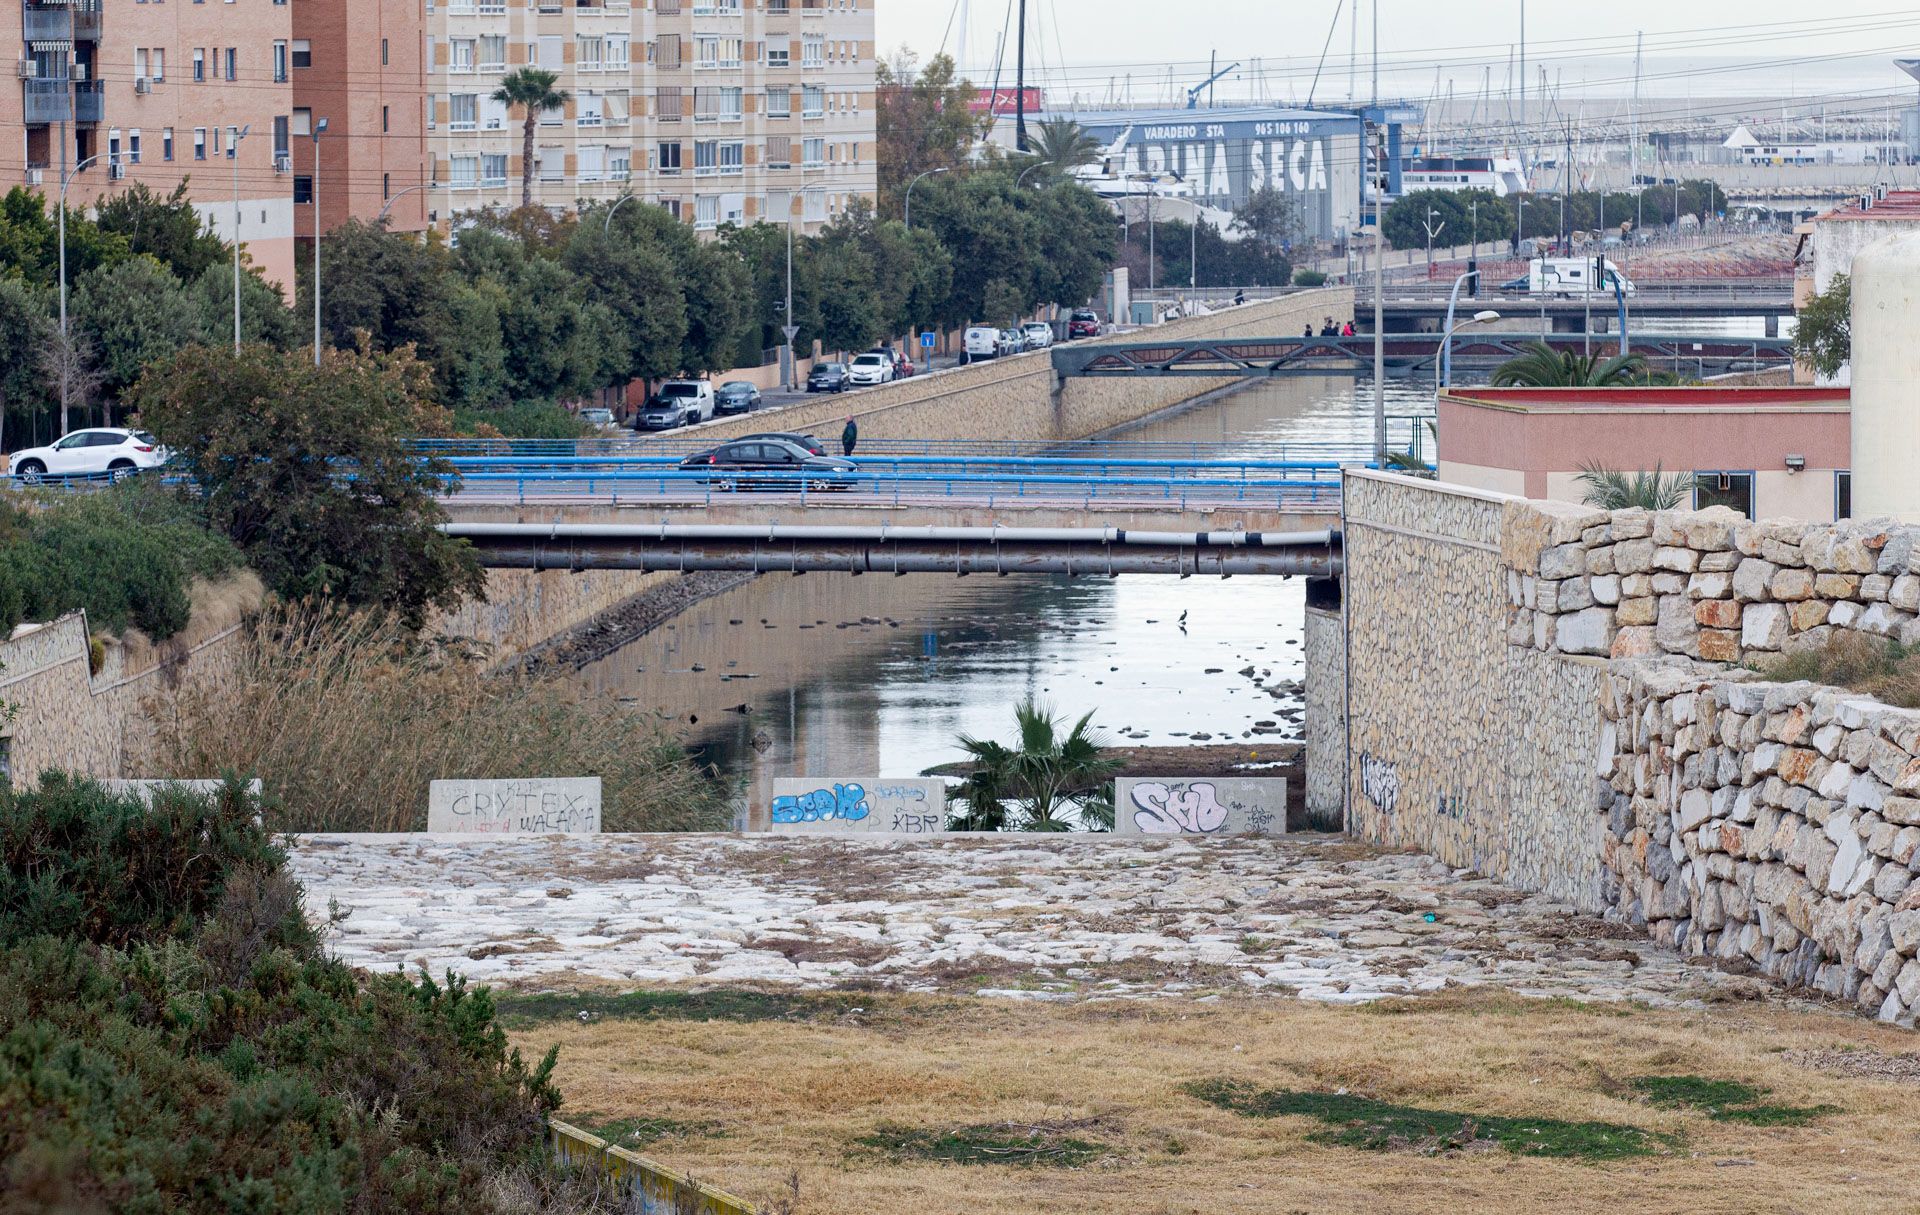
112, 92
718, 110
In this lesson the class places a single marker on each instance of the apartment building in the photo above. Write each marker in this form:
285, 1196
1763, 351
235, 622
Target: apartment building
718, 110
113, 92
359, 66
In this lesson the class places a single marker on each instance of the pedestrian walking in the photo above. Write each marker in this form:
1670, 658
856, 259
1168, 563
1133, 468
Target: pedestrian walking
1309, 332
849, 437
1347, 329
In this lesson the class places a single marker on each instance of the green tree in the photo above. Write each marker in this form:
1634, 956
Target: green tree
167, 229
716, 283
134, 312
1544, 367
1269, 219
762, 250
553, 343
1062, 145
923, 119
312, 471
396, 290
1042, 776
29, 244
1824, 338
535, 91
264, 315
630, 267
26, 329
1610, 489
1076, 234
1464, 212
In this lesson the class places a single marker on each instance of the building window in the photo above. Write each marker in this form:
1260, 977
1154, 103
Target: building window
706, 211
813, 153
302, 190
385, 120
1734, 489
813, 51
166, 144
463, 112
667, 159
779, 102
493, 169
199, 63
733, 158
460, 55
302, 53
1843, 495
384, 61
279, 62
465, 172
133, 146
233, 63
779, 56
813, 101
706, 157
199, 143
493, 52
386, 186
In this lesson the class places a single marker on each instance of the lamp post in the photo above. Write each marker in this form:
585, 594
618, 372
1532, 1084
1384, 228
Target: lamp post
388, 205
606, 225
233, 154
66, 180
906, 209
319, 129
1445, 359
1023, 173
788, 329
1431, 233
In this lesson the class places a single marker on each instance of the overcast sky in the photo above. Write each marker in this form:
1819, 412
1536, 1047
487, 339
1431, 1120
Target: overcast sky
1836, 46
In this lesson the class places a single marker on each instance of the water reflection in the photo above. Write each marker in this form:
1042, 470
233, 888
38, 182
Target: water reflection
828, 675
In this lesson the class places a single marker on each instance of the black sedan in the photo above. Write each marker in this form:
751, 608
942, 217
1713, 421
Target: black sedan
770, 464
828, 377
736, 396
813, 446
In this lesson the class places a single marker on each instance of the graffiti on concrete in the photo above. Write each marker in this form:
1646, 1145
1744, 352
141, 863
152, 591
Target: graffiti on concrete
1177, 809
842, 803
1379, 782
1211, 806
514, 807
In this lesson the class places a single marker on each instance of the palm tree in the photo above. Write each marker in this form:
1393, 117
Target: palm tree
1610, 489
1063, 145
1044, 775
532, 88
1544, 367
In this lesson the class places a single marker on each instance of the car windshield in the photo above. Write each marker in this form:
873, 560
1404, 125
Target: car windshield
869, 360
680, 390
831, 367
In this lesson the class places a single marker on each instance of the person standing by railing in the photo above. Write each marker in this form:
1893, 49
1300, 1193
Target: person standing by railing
849, 437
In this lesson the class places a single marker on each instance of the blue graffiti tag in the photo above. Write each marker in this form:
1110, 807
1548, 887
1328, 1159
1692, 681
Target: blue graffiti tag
847, 803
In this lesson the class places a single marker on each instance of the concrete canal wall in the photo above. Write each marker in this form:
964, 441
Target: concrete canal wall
1015, 398
1554, 696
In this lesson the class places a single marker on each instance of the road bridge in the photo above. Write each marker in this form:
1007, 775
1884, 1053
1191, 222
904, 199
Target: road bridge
1702, 354
1405, 311
879, 548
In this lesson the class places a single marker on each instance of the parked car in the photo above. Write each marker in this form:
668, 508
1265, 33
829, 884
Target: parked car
110, 450
736, 396
1039, 334
873, 367
678, 403
1084, 323
1011, 341
813, 446
770, 464
982, 342
828, 377
597, 417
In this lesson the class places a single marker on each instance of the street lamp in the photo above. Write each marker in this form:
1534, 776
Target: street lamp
1023, 173
1431, 233
1379, 340
66, 180
1445, 359
233, 154
607, 226
906, 210
319, 129
788, 329
388, 205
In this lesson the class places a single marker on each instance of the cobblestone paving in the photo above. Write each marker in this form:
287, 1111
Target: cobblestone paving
1022, 916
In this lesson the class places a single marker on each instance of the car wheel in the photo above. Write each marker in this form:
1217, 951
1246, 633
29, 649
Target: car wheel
726, 485
31, 471
819, 486
120, 470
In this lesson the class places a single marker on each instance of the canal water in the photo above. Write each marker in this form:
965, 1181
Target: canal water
825, 674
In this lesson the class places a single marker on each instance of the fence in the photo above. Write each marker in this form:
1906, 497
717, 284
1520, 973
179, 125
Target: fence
654, 1189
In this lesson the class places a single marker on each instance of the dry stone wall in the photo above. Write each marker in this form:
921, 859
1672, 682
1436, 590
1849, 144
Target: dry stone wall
1325, 717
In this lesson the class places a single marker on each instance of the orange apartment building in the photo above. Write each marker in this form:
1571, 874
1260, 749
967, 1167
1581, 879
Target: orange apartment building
360, 66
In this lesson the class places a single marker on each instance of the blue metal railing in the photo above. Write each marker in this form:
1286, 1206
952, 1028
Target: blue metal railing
1242, 470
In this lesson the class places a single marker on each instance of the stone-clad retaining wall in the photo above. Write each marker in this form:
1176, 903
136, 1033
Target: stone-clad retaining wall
1775, 823
1548, 693
1014, 398
1325, 716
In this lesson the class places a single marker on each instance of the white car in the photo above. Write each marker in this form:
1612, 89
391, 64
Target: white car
870, 368
103, 450
1039, 334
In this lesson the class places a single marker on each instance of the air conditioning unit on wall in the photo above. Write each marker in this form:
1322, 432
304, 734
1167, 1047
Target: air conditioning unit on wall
142, 86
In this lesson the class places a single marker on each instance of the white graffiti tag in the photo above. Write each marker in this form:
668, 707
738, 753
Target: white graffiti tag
1380, 782
1176, 809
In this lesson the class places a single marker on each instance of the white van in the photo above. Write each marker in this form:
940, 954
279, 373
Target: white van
982, 342
678, 403
1573, 276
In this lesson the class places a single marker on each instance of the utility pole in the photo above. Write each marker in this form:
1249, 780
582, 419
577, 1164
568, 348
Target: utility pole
1379, 273
1520, 128
233, 153
319, 129
1020, 85
1566, 190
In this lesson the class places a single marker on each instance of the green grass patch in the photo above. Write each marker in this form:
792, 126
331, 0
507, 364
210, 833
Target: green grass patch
1725, 1100
994, 1143
522, 1011
638, 1134
1377, 1126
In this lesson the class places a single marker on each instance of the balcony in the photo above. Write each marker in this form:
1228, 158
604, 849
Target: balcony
89, 101
48, 24
45, 101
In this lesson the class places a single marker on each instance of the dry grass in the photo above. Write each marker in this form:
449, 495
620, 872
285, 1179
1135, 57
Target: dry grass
802, 1095
347, 719
1878, 666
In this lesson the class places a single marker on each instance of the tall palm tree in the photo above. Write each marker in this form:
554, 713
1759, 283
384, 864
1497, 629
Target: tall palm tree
1544, 367
1046, 773
532, 88
1063, 145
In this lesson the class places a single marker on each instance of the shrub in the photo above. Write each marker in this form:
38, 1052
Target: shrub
347, 718
125, 555
173, 1039
1878, 666
1309, 278
522, 420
